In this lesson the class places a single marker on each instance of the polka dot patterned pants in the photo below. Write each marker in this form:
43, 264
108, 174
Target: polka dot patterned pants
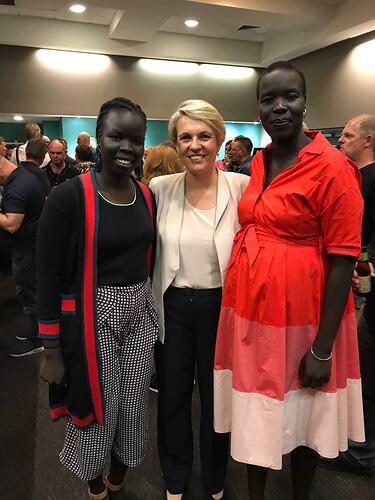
127, 331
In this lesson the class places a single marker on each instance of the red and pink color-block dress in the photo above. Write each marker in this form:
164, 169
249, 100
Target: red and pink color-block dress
271, 309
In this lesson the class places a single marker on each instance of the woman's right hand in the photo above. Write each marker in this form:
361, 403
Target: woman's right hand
355, 281
52, 369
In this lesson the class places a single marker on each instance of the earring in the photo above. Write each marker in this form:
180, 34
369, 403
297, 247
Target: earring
304, 112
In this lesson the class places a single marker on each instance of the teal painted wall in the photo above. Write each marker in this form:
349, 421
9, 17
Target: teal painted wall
53, 129
157, 131
71, 127
15, 132
250, 130
12, 132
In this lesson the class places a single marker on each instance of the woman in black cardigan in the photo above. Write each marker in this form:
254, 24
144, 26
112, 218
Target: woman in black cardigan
96, 314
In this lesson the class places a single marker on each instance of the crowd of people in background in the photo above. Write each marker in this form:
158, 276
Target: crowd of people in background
251, 259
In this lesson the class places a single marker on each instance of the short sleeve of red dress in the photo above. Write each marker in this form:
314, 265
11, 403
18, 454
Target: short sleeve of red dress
341, 208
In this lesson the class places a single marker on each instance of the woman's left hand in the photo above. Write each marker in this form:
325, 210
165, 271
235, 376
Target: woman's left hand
314, 373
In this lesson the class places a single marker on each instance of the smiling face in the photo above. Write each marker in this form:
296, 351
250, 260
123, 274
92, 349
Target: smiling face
281, 104
197, 145
121, 140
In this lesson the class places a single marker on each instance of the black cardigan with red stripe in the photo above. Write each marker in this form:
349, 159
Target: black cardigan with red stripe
66, 283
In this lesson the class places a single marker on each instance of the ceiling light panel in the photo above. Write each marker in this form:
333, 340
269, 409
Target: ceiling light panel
163, 67
227, 72
73, 62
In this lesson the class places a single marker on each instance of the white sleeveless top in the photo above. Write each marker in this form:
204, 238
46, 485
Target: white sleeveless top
199, 265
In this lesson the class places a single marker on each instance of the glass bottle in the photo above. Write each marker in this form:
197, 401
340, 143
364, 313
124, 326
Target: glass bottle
364, 274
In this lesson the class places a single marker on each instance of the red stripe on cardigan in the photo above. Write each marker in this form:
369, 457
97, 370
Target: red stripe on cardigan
49, 328
62, 411
88, 295
147, 195
68, 305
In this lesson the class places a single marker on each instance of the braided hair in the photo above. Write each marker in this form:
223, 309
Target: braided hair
105, 108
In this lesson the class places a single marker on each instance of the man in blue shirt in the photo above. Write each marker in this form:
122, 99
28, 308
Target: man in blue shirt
240, 152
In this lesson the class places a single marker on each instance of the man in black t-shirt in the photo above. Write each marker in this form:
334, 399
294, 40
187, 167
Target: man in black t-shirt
357, 142
21, 205
35, 153
58, 170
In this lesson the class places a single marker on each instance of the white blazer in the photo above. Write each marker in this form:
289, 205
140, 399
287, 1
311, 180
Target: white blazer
169, 192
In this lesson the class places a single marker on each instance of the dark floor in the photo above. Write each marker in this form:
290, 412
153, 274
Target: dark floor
29, 442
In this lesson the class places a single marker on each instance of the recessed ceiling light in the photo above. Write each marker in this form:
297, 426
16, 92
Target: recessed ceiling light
77, 8
191, 23
18, 118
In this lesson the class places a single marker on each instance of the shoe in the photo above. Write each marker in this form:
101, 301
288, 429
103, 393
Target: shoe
22, 337
210, 497
27, 347
113, 487
154, 383
98, 496
341, 463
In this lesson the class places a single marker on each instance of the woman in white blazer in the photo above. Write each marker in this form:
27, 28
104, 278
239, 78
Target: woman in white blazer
196, 224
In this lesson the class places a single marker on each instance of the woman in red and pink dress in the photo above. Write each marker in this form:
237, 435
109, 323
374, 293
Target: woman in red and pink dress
286, 368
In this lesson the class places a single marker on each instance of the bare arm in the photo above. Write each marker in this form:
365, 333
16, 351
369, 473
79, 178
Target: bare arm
11, 222
313, 372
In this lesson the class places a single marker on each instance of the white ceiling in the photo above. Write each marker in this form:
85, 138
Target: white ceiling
155, 28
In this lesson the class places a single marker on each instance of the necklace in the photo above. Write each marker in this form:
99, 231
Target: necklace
120, 204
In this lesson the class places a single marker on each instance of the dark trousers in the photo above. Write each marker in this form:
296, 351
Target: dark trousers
191, 320
23, 266
362, 455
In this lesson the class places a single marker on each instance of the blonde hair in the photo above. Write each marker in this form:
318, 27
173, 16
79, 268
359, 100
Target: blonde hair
197, 109
161, 160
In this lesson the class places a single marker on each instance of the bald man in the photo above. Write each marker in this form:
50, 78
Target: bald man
84, 138
58, 170
357, 142
21, 206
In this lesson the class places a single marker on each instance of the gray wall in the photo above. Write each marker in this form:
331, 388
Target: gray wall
338, 87
27, 86
340, 81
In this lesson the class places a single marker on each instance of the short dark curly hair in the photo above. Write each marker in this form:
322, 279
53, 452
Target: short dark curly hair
282, 65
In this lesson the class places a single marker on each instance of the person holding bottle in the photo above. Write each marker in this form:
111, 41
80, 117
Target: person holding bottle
357, 142
287, 374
